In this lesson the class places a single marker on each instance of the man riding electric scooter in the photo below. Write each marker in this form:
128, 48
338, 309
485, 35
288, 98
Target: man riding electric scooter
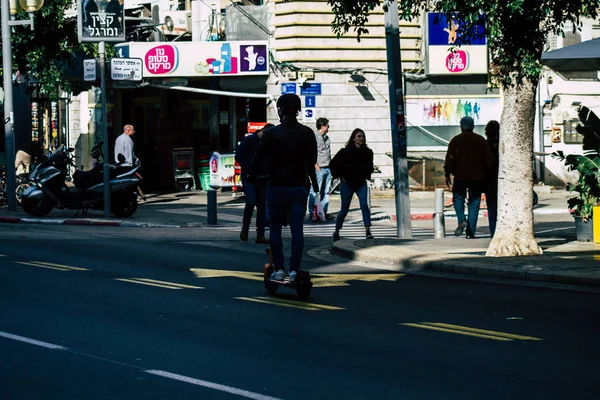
291, 151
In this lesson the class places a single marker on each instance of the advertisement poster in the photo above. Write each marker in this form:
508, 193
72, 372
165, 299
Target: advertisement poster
222, 171
100, 21
467, 58
190, 59
440, 111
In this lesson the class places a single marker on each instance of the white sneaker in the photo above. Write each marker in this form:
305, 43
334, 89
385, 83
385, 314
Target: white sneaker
292, 276
278, 275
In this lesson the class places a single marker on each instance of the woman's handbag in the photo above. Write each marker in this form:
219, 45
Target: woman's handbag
317, 213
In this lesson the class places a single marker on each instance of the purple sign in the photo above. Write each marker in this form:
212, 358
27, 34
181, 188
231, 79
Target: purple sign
253, 58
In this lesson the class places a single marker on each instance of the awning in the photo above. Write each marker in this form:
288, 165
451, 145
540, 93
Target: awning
580, 57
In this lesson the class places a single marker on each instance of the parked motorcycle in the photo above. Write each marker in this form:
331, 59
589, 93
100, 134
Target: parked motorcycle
47, 188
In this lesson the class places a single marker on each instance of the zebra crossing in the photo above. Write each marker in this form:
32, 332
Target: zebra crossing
351, 230
357, 231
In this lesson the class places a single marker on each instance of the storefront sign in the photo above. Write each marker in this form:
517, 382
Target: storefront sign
442, 35
222, 171
255, 126
100, 21
446, 111
191, 59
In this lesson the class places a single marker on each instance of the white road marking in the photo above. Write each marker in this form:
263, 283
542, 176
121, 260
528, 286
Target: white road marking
31, 341
211, 385
198, 382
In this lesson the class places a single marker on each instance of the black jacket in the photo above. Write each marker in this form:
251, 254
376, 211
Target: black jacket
291, 150
244, 154
354, 165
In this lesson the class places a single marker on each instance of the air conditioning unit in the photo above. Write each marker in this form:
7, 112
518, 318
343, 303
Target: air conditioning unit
175, 22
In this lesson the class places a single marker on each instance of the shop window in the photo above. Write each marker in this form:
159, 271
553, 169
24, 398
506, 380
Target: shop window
571, 136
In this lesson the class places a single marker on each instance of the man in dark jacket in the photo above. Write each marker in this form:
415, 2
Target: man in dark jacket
255, 192
468, 159
291, 150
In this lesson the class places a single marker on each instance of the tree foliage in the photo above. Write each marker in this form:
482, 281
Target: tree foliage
45, 54
516, 30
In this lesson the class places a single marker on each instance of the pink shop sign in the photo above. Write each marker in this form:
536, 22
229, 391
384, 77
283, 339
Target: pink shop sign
161, 59
457, 61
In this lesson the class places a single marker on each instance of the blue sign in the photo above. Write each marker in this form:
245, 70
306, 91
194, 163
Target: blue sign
310, 101
289, 87
443, 33
308, 114
310, 88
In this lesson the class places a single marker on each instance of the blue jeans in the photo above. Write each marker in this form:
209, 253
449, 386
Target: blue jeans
459, 193
346, 193
324, 184
255, 197
287, 202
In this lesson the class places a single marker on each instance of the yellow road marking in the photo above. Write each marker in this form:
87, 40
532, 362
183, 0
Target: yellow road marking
468, 331
42, 266
216, 273
302, 303
276, 303
147, 283
291, 303
319, 280
181, 285
61, 266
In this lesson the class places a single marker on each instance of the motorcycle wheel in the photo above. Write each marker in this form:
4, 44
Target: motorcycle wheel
37, 209
125, 207
19, 191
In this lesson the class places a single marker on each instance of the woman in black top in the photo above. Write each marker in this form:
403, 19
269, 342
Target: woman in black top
353, 164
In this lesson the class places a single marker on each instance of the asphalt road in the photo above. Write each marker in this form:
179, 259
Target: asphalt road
97, 313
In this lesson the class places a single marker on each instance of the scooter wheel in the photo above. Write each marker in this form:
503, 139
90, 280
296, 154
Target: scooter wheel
303, 285
125, 207
270, 286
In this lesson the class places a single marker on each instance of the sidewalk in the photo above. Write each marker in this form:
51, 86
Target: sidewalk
571, 263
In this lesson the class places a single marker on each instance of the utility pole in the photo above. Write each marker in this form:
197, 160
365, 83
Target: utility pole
398, 121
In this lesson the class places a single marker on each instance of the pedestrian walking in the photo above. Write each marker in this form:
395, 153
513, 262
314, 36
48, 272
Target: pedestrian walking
291, 150
467, 160
322, 170
353, 164
255, 192
492, 132
124, 145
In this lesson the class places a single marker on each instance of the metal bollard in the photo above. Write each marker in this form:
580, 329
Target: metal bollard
439, 225
211, 207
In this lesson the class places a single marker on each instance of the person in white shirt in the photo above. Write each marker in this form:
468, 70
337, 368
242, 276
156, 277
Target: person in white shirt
124, 145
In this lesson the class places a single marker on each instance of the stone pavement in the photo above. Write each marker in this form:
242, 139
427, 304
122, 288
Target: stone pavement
570, 263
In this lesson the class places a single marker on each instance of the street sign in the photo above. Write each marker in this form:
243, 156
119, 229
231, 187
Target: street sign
126, 69
310, 101
89, 70
289, 87
310, 88
101, 21
309, 115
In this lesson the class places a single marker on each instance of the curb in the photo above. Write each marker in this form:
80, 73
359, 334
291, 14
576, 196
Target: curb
87, 222
472, 269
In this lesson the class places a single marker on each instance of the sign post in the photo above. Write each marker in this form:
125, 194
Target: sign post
100, 24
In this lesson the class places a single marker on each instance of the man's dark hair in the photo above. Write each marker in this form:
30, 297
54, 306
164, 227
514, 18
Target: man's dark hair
321, 122
289, 103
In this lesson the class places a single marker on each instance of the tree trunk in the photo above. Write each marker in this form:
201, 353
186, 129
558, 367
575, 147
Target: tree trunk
514, 230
